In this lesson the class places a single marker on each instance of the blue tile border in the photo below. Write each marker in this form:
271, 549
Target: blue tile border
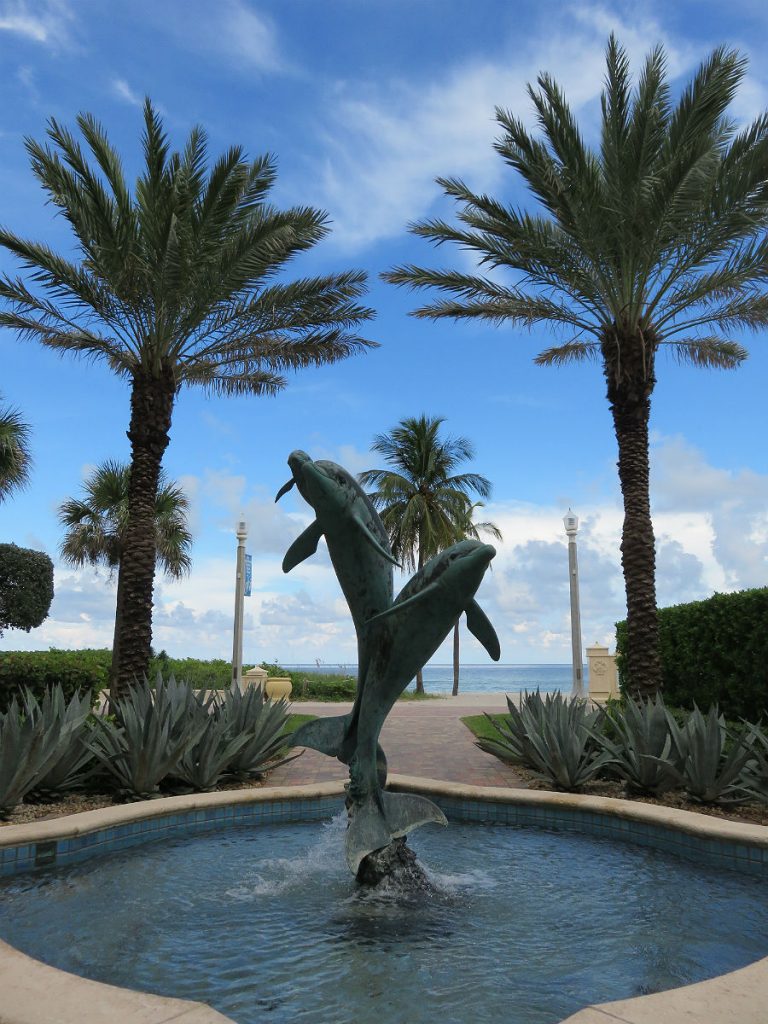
743, 856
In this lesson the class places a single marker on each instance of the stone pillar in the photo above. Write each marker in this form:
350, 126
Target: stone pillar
603, 679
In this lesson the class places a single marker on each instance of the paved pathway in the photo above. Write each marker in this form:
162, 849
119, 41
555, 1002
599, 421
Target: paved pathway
423, 738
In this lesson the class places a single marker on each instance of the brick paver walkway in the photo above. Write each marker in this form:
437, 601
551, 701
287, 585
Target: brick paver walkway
422, 738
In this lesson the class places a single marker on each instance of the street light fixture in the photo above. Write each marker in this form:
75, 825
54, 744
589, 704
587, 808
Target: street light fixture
571, 523
237, 645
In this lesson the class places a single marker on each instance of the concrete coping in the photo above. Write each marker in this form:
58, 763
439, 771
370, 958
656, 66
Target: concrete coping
34, 993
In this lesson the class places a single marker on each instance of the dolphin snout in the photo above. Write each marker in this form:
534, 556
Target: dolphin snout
298, 459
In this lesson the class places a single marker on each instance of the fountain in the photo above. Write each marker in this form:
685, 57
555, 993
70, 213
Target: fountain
538, 904
395, 638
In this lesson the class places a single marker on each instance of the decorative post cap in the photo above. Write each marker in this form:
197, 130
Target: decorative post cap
571, 523
242, 530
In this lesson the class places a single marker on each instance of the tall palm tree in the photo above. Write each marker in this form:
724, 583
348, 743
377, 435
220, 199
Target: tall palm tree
421, 499
15, 458
96, 524
465, 528
174, 286
656, 238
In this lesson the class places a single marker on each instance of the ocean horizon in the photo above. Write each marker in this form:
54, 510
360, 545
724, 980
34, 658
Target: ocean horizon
488, 678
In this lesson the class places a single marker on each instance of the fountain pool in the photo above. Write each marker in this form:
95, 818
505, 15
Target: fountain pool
265, 923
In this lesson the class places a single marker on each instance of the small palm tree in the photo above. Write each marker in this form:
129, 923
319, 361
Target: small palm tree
465, 528
174, 287
422, 501
96, 525
656, 238
15, 459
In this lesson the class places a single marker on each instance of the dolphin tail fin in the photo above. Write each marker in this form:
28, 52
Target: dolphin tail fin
383, 817
323, 734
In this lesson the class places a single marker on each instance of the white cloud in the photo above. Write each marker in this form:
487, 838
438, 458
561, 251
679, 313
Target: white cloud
47, 22
229, 29
123, 91
387, 144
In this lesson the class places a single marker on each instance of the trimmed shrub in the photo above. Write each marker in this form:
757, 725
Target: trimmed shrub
713, 652
26, 587
85, 672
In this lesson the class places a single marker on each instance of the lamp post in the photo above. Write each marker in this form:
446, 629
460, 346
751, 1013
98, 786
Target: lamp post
571, 523
237, 645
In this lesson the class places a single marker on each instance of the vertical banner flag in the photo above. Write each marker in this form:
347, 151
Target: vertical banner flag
247, 591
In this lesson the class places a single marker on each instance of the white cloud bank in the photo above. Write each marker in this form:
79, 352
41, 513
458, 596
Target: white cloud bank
711, 529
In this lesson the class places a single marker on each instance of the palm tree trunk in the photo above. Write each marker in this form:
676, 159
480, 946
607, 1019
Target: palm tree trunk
151, 409
629, 392
455, 691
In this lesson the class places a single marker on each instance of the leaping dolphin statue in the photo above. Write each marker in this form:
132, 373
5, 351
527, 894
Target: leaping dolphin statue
359, 549
400, 640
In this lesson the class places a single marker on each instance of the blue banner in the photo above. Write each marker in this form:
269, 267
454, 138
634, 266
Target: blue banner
247, 590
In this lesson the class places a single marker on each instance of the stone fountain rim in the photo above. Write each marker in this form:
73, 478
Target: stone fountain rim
34, 993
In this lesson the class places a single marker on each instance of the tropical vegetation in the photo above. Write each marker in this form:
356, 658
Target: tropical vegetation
26, 587
158, 738
96, 525
15, 455
174, 285
654, 239
651, 747
424, 504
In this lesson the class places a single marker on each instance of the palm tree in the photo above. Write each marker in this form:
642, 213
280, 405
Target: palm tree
15, 459
422, 500
96, 524
175, 286
465, 528
656, 238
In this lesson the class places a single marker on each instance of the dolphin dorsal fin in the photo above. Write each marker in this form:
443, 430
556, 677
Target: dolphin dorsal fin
284, 489
304, 546
480, 627
375, 543
399, 606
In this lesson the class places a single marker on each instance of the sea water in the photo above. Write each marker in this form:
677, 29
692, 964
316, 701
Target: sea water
488, 678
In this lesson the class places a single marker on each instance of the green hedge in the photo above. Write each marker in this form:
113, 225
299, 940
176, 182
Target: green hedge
713, 651
86, 670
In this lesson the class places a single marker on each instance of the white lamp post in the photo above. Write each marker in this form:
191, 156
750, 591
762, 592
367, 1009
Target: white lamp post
571, 523
237, 646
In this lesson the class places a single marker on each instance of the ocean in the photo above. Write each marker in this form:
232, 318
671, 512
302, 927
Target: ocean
488, 678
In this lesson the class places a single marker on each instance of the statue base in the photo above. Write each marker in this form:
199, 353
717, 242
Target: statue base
395, 864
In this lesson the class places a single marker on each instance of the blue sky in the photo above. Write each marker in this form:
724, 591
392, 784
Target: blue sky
364, 103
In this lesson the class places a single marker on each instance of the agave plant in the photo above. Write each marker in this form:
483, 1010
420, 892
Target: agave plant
755, 776
553, 737
204, 762
152, 730
74, 760
641, 746
30, 744
714, 761
262, 722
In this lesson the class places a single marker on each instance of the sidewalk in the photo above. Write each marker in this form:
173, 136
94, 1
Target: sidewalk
423, 738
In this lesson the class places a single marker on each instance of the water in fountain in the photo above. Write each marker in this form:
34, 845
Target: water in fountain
267, 923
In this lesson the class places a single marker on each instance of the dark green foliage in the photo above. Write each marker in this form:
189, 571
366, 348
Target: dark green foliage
168, 734
26, 587
713, 652
314, 685
85, 671
553, 737
73, 762
32, 741
756, 774
263, 723
713, 769
639, 739
201, 675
